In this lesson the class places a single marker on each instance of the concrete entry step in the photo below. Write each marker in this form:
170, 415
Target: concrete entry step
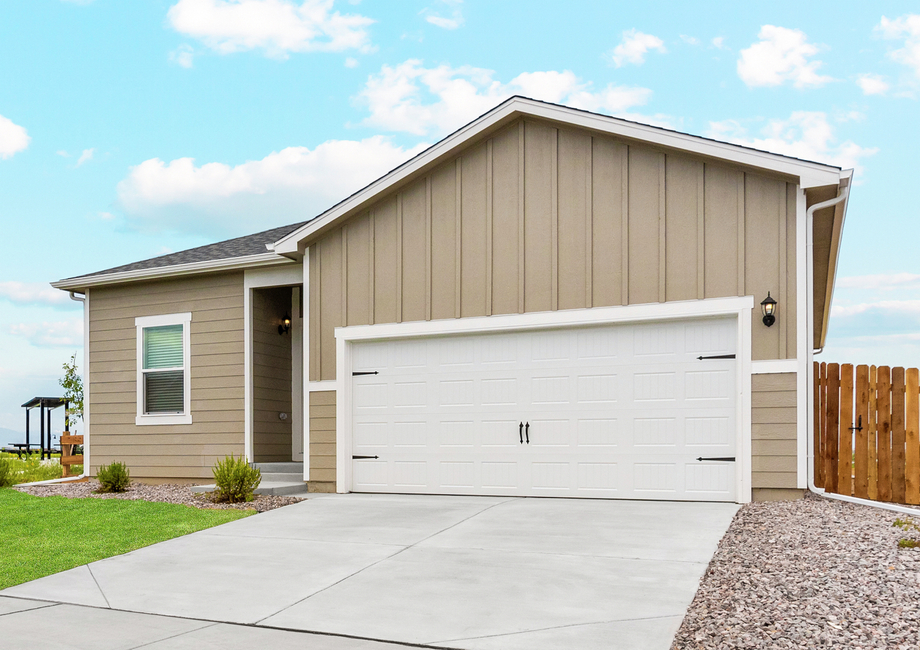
280, 468
272, 488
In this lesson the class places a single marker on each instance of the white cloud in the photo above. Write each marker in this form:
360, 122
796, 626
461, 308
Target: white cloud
718, 42
86, 156
872, 84
63, 333
351, 62
880, 281
689, 40
184, 55
805, 134
633, 48
414, 99
13, 138
907, 29
278, 27
62, 153
32, 293
108, 216
887, 307
781, 55
453, 21
290, 185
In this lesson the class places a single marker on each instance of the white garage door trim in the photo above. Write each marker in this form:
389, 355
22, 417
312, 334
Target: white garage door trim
739, 307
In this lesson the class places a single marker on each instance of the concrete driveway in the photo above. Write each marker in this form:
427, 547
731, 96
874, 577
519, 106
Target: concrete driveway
368, 571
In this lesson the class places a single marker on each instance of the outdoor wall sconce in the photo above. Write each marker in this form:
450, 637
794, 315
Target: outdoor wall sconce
285, 325
769, 310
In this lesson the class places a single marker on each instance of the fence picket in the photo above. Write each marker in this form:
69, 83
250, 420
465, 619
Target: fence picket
897, 435
845, 444
820, 412
912, 443
832, 429
884, 433
872, 438
861, 437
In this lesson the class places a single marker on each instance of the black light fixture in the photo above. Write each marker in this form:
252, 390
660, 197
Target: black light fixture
769, 310
285, 325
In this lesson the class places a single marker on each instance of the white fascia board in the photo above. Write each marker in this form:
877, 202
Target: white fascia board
810, 174
244, 262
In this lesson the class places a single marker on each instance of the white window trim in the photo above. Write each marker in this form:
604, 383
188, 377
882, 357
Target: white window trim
146, 419
739, 308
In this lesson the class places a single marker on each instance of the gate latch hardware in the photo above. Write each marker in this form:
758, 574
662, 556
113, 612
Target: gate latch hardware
717, 356
859, 427
366, 372
365, 457
723, 459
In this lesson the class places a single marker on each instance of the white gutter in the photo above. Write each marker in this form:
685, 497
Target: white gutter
243, 262
915, 512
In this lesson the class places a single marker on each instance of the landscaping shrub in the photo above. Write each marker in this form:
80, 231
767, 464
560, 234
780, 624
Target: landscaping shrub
6, 472
235, 480
113, 478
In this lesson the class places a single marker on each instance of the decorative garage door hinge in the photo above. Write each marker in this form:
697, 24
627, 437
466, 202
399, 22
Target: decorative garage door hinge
717, 356
365, 457
722, 459
365, 372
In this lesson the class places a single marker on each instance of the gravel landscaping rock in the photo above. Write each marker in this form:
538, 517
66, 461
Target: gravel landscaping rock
165, 493
806, 574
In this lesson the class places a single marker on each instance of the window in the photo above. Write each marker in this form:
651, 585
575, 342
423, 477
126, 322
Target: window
163, 369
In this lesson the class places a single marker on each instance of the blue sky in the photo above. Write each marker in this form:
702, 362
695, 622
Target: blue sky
132, 129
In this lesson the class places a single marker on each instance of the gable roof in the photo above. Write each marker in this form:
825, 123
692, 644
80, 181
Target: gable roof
809, 174
247, 251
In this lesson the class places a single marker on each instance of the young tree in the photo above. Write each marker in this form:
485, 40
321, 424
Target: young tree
72, 384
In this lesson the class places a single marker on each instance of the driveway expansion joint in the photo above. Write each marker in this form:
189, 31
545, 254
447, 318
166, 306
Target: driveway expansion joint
46, 605
562, 627
173, 636
98, 586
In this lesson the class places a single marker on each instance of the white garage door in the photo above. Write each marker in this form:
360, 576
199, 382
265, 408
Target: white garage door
614, 411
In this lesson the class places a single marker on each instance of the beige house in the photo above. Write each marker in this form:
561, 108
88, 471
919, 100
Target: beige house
547, 302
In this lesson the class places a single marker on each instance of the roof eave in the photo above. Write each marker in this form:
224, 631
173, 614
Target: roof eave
229, 264
809, 174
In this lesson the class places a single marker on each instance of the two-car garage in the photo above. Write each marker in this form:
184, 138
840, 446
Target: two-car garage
622, 410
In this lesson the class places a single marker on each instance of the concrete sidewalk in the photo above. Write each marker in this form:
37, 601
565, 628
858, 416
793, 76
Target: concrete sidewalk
451, 572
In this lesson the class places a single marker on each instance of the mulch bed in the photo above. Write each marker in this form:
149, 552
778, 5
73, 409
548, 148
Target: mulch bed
813, 573
165, 493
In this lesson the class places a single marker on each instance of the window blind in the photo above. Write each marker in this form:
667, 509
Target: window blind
163, 347
164, 376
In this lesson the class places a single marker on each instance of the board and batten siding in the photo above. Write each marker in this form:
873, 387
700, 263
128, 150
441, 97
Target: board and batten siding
773, 434
174, 452
539, 217
271, 376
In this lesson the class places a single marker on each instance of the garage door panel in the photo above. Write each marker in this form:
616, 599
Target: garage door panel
614, 411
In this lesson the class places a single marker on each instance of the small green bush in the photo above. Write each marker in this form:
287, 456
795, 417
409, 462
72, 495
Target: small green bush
6, 472
235, 480
113, 478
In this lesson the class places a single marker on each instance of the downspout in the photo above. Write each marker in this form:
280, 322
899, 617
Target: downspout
69, 479
809, 218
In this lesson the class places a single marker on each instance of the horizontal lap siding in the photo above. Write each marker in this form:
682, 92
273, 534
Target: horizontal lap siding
271, 376
540, 217
773, 435
168, 451
322, 441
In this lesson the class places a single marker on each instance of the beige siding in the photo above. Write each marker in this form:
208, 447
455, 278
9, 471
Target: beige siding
773, 434
216, 332
540, 217
322, 441
271, 376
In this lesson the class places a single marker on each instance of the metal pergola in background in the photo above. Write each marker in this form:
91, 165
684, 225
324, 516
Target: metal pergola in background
45, 406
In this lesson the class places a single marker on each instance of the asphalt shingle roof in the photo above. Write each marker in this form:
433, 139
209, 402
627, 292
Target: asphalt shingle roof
228, 249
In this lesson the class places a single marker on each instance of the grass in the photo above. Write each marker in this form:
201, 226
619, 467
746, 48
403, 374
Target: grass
44, 535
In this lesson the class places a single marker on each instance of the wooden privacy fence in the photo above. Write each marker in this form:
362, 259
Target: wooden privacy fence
866, 431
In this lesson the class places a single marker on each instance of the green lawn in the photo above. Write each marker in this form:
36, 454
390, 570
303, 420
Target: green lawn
44, 535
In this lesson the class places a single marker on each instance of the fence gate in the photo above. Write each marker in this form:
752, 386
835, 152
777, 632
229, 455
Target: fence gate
866, 431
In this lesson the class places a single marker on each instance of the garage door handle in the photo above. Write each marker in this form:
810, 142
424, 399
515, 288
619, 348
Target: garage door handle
521, 432
721, 459
365, 457
527, 432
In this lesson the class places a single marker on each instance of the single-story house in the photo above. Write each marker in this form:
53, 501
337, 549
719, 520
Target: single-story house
547, 302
